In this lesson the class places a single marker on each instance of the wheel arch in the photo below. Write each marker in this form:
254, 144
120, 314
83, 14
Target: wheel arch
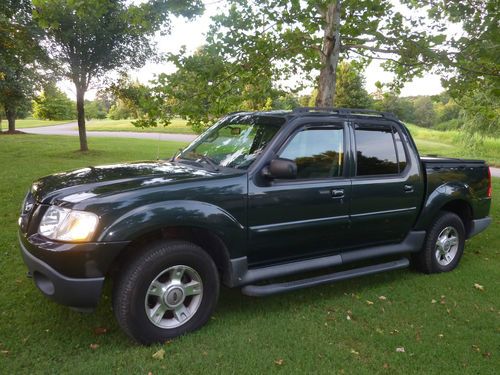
209, 241
450, 197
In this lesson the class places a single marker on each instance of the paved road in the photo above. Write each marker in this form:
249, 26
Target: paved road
70, 129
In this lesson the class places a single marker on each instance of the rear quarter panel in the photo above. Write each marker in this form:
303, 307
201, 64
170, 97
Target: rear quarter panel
446, 182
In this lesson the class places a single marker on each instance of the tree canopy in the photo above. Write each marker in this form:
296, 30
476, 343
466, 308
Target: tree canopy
90, 38
22, 60
306, 37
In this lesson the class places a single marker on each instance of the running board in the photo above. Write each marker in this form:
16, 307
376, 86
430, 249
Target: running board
270, 289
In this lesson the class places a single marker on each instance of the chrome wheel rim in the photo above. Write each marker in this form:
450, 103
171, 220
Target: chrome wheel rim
173, 297
446, 246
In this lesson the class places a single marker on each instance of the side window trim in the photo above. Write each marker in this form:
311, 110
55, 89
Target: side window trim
405, 150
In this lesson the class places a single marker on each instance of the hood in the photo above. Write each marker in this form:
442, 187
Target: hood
84, 183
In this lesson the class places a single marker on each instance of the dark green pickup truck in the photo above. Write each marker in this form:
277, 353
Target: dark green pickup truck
257, 197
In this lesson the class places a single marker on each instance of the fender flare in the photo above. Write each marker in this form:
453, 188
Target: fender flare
186, 213
442, 195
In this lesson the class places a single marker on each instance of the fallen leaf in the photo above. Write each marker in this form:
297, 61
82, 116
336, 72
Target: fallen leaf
433, 301
382, 298
160, 354
5, 352
354, 352
100, 330
369, 302
476, 348
400, 349
486, 354
94, 346
348, 317
278, 361
479, 287
386, 365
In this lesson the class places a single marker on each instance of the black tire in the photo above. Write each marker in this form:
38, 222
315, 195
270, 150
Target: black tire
427, 259
133, 287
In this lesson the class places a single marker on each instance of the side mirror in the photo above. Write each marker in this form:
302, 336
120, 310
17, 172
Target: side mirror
282, 169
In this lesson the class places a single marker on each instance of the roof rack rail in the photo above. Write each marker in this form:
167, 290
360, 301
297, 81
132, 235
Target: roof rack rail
345, 111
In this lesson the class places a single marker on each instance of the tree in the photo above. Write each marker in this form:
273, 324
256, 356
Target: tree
53, 104
302, 37
424, 111
119, 111
349, 89
204, 88
472, 74
90, 38
390, 102
95, 109
21, 59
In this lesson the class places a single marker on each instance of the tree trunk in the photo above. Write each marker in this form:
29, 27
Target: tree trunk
330, 53
11, 118
80, 108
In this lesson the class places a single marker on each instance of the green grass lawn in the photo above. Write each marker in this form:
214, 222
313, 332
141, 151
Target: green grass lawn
177, 126
34, 123
448, 143
443, 322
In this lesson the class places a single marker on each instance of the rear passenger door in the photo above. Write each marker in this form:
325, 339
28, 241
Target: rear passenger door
385, 193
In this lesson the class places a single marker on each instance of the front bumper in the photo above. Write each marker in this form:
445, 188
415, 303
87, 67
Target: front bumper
81, 284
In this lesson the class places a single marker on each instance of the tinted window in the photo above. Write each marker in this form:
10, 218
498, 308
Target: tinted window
401, 151
318, 152
376, 153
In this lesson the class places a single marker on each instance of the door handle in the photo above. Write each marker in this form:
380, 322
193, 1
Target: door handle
337, 193
408, 188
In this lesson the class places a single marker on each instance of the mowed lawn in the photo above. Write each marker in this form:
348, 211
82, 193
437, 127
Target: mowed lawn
400, 322
177, 126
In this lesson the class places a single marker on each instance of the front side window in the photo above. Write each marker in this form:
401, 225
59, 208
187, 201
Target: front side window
318, 152
375, 151
234, 142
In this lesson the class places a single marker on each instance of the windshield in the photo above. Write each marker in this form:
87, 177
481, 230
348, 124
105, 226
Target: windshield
233, 142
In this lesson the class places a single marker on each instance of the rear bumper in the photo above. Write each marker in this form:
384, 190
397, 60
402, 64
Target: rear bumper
78, 293
479, 225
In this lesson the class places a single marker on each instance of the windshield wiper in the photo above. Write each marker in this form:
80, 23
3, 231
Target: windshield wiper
210, 161
176, 154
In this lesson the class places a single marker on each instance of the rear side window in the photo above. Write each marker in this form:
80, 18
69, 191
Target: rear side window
318, 152
376, 151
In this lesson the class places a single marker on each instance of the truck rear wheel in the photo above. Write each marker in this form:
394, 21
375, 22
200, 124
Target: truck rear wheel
170, 289
443, 246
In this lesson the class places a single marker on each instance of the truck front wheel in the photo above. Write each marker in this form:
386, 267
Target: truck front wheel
170, 289
443, 246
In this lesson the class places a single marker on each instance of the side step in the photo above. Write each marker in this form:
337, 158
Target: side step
270, 289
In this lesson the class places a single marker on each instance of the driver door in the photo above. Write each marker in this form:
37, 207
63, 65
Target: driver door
309, 215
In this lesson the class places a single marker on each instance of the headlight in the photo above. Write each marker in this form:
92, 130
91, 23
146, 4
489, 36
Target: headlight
67, 225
